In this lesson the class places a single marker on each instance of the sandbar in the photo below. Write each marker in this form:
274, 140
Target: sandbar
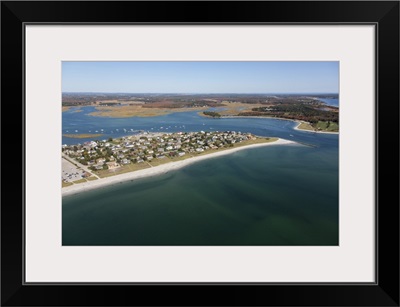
157, 170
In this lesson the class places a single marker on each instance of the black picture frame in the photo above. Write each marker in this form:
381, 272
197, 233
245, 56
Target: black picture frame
383, 14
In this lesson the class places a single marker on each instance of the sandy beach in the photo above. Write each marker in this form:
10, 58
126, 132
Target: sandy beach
156, 170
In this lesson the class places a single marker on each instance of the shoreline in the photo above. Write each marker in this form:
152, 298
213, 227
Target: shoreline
292, 120
312, 131
157, 170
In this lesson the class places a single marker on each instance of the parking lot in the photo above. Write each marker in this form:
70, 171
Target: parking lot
70, 172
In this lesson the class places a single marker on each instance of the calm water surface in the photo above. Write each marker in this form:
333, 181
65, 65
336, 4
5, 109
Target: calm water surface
276, 195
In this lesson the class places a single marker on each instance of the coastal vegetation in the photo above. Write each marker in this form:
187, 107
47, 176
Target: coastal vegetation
212, 114
66, 184
319, 118
327, 126
305, 126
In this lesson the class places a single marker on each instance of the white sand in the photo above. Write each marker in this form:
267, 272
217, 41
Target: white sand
156, 170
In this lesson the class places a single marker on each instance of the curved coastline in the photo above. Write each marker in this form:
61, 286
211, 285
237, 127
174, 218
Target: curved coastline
312, 131
292, 120
156, 170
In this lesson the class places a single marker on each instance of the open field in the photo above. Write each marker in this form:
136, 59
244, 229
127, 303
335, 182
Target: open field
327, 126
305, 126
234, 108
66, 184
121, 170
322, 127
80, 181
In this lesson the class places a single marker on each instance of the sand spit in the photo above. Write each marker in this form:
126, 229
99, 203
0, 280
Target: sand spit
313, 131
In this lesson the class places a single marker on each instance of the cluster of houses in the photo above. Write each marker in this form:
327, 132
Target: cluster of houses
113, 153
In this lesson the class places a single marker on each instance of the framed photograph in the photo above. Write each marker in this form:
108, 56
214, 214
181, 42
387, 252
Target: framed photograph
241, 146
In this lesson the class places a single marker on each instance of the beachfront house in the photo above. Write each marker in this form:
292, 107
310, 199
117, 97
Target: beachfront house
112, 165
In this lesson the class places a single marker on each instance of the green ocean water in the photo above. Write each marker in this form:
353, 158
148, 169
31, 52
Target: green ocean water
275, 195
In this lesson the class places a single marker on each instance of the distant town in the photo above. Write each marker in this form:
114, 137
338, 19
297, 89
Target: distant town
98, 159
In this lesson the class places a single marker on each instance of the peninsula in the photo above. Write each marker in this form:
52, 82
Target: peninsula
98, 163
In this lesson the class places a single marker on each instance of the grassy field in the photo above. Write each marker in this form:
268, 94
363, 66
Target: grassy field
80, 180
320, 126
328, 126
91, 178
121, 170
66, 184
305, 126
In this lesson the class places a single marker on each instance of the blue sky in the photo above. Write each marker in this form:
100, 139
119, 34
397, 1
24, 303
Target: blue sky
201, 77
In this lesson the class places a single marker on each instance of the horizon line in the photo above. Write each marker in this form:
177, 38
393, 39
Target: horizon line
205, 93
